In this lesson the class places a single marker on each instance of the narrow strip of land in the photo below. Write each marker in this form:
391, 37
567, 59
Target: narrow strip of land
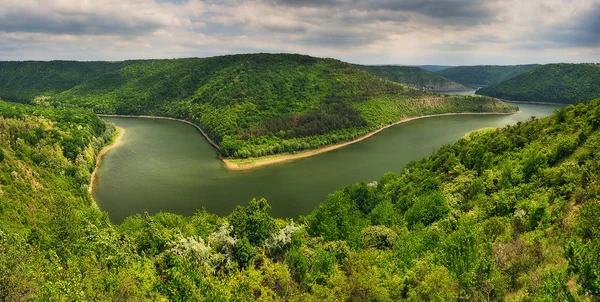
480, 130
251, 163
115, 142
256, 162
534, 103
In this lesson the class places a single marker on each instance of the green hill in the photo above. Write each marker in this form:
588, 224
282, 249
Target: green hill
415, 77
483, 75
501, 215
554, 83
22, 81
257, 104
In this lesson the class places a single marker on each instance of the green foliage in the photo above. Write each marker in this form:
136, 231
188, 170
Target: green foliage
533, 162
252, 222
377, 236
554, 83
510, 214
427, 209
298, 264
583, 252
483, 75
250, 105
413, 77
337, 219
554, 287
244, 252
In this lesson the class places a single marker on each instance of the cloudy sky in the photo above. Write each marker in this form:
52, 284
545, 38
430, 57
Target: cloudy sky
452, 32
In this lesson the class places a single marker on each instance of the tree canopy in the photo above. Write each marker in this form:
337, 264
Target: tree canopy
251, 105
552, 83
504, 214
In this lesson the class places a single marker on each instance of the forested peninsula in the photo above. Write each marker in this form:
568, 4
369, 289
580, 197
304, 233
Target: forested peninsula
510, 214
553, 83
250, 105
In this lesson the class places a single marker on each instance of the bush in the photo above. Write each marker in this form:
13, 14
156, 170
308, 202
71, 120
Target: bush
427, 209
244, 252
252, 222
377, 236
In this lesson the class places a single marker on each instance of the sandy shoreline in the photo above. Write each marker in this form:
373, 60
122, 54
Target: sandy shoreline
279, 158
535, 103
116, 142
266, 161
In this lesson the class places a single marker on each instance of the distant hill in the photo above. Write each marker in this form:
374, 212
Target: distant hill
250, 105
483, 75
554, 83
21, 81
413, 77
434, 68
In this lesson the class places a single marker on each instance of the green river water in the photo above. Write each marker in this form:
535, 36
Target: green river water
165, 165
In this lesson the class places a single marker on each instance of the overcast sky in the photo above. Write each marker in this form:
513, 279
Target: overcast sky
452, 32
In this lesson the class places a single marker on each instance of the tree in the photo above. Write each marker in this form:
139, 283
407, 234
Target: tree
337, 219
244, 252
253, 221
427, 209
533, 161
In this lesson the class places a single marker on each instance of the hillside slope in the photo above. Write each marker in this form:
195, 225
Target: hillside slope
22, 81
260, 104
554, 83
483, 75
415, 77
503, 215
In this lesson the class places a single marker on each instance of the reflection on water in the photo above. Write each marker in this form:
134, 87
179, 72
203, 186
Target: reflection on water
165, 165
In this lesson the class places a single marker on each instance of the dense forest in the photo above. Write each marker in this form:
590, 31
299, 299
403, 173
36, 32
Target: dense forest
415, 77
507, 214
251, 105
483, 75
24, 81
553, 83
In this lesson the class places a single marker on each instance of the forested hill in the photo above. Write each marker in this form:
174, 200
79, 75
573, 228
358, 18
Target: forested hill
415, 77
510, 214
482, 75
554, 83
251, 105
23, 81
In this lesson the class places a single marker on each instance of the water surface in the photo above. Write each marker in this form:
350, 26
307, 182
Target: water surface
164, 165
459, 91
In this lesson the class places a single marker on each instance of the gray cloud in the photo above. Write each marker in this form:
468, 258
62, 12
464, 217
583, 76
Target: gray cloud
109, 17
442, 9
79, 24
453, 12
378, 31
584, 32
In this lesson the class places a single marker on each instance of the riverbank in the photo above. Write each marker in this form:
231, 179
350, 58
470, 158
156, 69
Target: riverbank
114, 143
252, 163
210, 141
535, 103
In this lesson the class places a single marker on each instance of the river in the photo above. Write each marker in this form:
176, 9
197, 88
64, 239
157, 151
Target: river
165, 165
